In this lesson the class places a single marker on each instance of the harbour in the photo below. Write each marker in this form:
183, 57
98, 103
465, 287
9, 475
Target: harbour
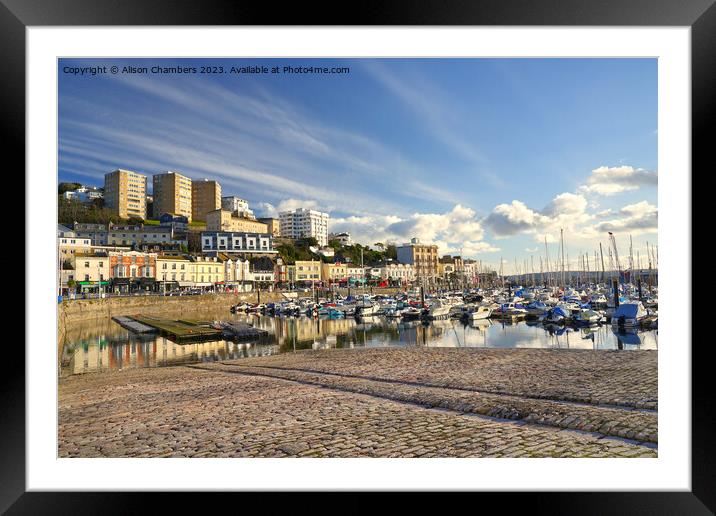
104, 344
294, 275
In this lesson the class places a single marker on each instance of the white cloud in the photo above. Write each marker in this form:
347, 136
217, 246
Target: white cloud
565, 211
266, 209
511, 219
613, 180
566, 204
452, 231
641, 217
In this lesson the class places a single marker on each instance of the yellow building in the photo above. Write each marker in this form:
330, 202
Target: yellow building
445, 269
272, 225
205, 197
308, 271
223, 220
334, 272
70, 245
172, 194
423, 257
91, 270
125, 193
207, 271
172, 269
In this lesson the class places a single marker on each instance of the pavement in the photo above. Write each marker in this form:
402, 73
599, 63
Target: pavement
391, 402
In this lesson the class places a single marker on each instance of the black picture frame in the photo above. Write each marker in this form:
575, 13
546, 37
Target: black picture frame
700, 15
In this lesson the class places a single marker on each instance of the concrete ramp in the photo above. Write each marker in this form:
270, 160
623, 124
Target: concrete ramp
134, 326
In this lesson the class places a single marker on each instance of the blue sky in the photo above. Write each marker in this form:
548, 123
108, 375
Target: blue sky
485, 157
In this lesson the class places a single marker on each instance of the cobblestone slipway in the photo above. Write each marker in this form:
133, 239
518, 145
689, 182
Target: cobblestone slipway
400, 402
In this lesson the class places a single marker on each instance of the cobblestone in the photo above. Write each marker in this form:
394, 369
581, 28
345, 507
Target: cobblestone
608, 421
219, 410
608, 377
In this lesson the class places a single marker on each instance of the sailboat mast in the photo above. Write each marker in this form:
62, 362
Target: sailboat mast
631, 261
532, 260
561, 239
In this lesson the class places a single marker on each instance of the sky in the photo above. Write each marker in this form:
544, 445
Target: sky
487, 158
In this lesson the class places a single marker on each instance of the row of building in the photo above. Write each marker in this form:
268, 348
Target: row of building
125, 194
217, 242
93, 264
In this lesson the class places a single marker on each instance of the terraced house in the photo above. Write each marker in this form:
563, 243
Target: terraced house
132, 270
307, 271
214, 242
174, 271
207, 271
334, 273
91, 271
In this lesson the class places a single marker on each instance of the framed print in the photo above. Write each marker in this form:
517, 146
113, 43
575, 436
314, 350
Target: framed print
393, 255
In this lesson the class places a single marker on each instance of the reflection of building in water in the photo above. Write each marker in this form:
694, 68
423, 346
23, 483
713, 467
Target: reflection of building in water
99, 355
100, 344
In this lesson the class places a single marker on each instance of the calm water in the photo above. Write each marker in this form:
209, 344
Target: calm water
104, 345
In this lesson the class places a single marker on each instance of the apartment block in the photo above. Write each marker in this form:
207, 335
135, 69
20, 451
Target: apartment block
234, 204
205, 197
303, 223
214, 242
172, 194
272, 225
224, 220
423, 257
125, 193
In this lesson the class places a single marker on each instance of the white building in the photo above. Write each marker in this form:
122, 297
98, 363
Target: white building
84, 194
238, 274
213, 242
355, 271
304, 223
328, 252
237, 205
398, 272
343, 238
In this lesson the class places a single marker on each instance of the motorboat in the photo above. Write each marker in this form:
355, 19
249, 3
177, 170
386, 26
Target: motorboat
438, 308
482, 312
410, 313
556, 315
536, 309
629, 314
241, 307
331, 313
366, 310
588, 316
510, 310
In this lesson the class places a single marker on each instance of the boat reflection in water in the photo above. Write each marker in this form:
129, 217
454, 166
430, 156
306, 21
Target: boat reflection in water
103, 345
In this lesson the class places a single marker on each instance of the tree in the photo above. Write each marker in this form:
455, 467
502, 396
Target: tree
335, 244
308, 242
67, 187
72, 210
